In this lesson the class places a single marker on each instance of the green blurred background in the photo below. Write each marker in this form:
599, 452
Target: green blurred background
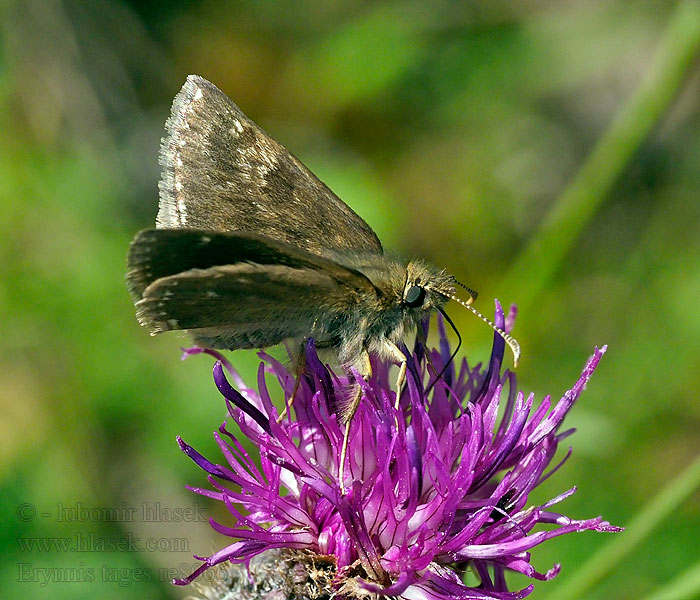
547, 153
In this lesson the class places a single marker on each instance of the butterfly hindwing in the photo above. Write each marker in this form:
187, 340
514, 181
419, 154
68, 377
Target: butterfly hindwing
244, 305
237, 290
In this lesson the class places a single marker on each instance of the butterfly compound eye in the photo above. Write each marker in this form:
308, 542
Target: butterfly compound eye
414, 296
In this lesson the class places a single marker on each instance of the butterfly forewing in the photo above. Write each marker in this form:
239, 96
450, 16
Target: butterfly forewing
156, 253
221, 172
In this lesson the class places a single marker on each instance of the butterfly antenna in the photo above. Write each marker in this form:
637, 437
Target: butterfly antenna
510, 340
473, 293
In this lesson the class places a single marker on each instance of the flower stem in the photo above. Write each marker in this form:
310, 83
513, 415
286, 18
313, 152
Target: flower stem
684, 587
577, 205
657, 509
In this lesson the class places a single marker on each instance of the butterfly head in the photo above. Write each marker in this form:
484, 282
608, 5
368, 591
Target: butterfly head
426, 288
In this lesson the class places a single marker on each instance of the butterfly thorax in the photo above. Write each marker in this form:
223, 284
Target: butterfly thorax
383, 313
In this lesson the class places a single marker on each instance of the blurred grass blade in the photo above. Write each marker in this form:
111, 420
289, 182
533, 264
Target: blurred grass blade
559, 230
657, 509
684, 587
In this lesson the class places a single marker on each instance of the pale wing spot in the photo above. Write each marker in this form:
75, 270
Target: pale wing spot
197, 94
181, 207
237, 128
259, 207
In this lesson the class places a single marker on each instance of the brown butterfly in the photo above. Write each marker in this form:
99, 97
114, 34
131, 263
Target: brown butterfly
251, 249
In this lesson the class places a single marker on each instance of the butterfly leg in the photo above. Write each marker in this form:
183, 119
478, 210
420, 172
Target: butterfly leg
399, 358
348, 413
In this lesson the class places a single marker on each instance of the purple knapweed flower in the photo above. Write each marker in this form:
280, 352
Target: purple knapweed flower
434, 488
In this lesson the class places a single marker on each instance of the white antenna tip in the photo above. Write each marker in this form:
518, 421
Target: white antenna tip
509, 339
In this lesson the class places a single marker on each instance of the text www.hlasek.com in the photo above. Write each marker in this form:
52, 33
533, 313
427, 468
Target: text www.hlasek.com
81, 542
